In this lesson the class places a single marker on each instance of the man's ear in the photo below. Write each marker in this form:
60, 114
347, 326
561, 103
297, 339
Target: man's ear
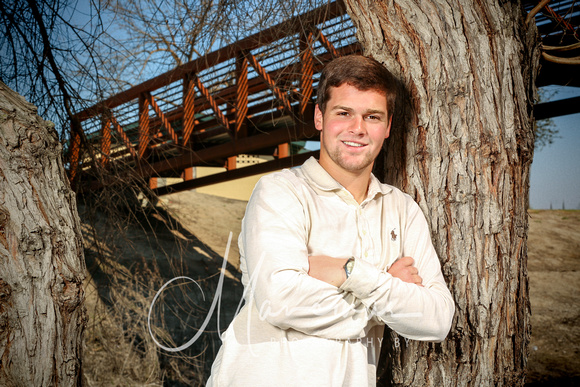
389, 127
318, 117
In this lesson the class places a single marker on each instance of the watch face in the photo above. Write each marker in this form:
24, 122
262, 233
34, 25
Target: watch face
349, 266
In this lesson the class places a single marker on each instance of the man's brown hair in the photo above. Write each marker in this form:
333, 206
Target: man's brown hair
362, 72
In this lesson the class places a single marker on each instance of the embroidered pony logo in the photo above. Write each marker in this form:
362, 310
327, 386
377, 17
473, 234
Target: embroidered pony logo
393, 235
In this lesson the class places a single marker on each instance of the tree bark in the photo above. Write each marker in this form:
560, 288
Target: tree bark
462, 147
42, 267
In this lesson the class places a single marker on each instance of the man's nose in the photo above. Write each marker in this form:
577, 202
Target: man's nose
357, 125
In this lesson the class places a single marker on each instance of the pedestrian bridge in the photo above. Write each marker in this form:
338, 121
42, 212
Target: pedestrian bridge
253, 97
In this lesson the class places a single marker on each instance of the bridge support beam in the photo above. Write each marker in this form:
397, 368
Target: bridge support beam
231, 163
255, 169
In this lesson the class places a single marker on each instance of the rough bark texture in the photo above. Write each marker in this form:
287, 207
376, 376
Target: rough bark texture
462, 147
42, 267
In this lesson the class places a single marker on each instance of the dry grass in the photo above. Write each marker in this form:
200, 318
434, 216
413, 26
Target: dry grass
117, 351
554, 273
130, 253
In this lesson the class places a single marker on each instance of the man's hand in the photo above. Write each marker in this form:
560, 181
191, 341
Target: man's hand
327, 269
404, 270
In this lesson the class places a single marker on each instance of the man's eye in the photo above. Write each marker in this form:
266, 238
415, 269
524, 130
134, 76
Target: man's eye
343, 113
371, 117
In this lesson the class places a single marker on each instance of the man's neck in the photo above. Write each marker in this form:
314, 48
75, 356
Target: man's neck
357, 183
358, 187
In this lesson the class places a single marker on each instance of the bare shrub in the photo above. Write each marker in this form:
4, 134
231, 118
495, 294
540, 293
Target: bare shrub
132, 248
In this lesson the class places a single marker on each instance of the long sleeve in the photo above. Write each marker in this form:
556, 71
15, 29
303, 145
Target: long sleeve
288, 219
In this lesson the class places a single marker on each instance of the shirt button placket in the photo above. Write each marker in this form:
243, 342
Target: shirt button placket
363, 232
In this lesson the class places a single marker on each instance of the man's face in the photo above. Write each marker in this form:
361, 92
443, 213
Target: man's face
353, 128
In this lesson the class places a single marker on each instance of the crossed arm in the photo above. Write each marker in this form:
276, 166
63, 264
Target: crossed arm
310, 294
331, 270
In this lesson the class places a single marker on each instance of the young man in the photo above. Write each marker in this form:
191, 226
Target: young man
329, 255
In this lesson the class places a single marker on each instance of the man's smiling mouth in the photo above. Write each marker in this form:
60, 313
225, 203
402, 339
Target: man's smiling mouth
355, 144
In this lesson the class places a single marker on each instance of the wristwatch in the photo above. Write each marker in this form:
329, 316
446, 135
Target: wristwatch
348, 266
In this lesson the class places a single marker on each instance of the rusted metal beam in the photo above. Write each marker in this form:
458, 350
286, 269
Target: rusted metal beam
280, 94
143, 124
283, 150
187, 174
268, 166
241, 96
188, 109
75, 156
162, 117
566, 26
213, 103
306, 69
231, 163
105, 141
124, 137
326, 43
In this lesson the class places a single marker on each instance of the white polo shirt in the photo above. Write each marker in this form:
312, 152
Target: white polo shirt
295, 330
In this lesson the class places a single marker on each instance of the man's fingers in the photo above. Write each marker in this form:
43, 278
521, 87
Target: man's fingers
418, 280
406, 261
402, 262
403, 269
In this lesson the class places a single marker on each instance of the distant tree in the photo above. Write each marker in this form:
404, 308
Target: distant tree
64, 55
159, 35
545, 130
47, 58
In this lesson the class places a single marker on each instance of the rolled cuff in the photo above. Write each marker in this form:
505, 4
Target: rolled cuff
362, 280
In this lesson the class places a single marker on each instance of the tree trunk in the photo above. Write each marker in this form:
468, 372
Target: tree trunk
462, 147
42, 267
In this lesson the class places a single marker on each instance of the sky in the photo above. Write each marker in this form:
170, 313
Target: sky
555, 174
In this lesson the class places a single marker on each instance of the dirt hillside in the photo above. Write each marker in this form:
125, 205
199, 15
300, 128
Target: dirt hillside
554, 271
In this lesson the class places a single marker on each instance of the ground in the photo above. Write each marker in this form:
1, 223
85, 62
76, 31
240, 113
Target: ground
201, 224
554, 271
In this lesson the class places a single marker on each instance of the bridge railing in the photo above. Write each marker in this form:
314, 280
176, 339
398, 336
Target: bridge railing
252, 95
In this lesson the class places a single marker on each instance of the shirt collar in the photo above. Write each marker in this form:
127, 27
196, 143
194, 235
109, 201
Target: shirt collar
318, 177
